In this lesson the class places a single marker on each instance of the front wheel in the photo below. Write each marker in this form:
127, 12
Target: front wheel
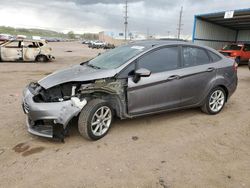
41, 58
95, 119
215, 101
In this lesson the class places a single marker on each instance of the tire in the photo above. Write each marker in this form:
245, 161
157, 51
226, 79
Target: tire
88, 120
214, 105
41, 58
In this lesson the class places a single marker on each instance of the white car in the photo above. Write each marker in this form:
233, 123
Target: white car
97, 44
25, 50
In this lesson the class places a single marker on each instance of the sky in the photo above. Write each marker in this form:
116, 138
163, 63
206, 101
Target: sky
157, 17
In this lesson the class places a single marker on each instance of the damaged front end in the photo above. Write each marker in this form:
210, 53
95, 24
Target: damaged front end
50, 110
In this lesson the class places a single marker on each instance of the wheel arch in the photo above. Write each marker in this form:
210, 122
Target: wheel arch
225, 89
116, 101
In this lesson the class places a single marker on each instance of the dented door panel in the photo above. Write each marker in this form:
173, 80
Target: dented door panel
29, 54
30, 51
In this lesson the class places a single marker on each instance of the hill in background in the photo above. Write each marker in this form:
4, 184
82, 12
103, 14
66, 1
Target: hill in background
31, 32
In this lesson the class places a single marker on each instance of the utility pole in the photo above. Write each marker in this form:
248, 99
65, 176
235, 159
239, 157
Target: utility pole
168, 34
147, 33
180, 23
126, 19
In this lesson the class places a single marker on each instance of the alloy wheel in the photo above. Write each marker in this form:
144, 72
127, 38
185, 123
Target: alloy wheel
101, 121
216, 101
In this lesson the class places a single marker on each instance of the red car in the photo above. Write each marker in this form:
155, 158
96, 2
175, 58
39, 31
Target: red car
240, 52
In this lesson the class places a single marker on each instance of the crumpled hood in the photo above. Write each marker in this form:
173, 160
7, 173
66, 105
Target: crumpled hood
75, 73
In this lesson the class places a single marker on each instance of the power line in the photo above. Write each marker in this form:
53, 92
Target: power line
126, 19
180, 24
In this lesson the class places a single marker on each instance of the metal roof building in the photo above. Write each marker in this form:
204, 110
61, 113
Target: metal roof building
220, 28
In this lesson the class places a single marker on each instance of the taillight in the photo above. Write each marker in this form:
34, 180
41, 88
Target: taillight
235, 66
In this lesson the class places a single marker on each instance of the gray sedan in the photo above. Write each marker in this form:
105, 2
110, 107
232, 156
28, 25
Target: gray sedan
140, 78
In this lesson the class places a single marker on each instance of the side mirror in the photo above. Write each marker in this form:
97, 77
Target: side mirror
142, 72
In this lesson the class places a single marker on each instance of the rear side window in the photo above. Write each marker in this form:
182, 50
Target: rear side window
214, 56
193, 56
161, 60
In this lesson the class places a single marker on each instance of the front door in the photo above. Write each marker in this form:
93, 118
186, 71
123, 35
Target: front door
12, 51
159, 91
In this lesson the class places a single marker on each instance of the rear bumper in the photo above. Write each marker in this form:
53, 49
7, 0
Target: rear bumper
232, 87
48, 119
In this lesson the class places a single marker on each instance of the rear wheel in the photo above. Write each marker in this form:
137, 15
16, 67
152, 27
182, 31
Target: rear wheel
215, 101
95, 119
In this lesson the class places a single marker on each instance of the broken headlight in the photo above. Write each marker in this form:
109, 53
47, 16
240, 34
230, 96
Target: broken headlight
56, 94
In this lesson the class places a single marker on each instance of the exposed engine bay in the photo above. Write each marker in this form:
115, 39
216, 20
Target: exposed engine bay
111, 90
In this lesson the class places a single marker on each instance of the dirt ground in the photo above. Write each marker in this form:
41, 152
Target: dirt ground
180, 149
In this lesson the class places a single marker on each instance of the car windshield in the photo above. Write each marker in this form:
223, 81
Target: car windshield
115, 58
232, 47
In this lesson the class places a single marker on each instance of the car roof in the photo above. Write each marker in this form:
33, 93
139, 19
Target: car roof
161, 42
152, 43
149, 44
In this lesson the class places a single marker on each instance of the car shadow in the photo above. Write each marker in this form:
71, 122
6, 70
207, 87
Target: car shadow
142, 121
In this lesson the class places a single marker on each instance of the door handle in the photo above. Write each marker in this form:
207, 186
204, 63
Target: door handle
173, 77
210, 69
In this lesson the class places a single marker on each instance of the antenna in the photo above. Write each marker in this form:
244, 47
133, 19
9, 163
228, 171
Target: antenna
180, 24
126, 19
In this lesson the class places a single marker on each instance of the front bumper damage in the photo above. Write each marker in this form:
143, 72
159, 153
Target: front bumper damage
50, 119
51, 57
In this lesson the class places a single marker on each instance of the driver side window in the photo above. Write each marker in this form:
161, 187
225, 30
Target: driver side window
160, 60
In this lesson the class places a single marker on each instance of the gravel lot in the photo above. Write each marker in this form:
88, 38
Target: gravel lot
180, 149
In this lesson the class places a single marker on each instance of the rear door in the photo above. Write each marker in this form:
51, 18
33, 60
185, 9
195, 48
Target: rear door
197, 75
12, 51
159, 91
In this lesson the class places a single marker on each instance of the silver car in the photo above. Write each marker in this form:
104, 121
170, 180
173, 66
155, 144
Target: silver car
140, 78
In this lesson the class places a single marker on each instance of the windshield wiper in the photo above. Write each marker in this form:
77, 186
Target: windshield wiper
93, 66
